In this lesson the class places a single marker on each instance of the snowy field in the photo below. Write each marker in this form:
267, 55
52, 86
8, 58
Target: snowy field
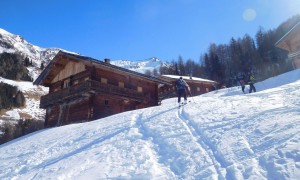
220, 135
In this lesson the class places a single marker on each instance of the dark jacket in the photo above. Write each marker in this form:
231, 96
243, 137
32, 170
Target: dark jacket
251, 79
181, 84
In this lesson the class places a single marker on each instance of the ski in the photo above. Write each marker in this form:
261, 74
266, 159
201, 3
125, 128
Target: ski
181, 105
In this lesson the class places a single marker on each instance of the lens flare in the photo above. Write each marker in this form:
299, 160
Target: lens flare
249, 14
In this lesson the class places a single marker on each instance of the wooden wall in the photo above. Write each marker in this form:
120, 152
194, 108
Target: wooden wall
90, 108
104, 106
196, 87
68, 112
70, 69
149, 89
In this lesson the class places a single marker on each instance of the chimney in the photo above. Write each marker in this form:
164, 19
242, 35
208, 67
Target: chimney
107, 60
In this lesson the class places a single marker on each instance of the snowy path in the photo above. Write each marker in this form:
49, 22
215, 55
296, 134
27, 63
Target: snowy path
203, 141
182, 160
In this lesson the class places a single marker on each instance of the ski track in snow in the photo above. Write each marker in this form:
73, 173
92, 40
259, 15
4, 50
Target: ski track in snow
203, 142
172, 156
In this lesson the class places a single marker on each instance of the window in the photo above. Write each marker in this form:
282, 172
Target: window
207, 90
198, 89
75, 82
139, 89
106, 102
104, 80
66, 83
121, 84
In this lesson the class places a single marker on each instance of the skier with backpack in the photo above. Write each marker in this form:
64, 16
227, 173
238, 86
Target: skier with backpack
251, 83
181, 87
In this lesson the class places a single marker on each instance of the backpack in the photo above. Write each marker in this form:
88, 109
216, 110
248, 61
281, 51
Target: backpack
251, 79
180, 84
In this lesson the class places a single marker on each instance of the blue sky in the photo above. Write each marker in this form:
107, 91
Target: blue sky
140, 29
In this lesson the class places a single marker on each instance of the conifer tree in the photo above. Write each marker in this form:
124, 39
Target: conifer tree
42, 66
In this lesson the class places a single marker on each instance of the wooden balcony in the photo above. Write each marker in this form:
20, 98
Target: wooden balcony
87, 88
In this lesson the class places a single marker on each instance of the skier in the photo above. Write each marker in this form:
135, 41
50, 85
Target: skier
251, 83
181, 86
242, 82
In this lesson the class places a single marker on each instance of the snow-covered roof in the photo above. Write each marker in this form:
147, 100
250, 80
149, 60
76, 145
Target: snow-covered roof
189, 78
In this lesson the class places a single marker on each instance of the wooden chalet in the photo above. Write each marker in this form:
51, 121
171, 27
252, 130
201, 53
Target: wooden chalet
84, 89
291, 42
198, 86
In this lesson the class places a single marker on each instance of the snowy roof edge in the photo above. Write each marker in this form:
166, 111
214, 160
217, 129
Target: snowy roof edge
189, 78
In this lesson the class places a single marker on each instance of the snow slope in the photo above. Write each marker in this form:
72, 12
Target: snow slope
220, 135
32, 106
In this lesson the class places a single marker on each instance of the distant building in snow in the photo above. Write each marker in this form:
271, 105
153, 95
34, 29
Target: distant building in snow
198, 86
84, 89
291, 42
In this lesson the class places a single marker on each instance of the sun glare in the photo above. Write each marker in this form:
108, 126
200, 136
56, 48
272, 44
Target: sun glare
249, 14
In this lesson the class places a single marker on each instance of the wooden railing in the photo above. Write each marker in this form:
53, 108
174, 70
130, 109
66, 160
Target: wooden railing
86, 88
81, 75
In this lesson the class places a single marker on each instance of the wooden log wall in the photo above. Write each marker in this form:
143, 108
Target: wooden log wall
68, 112
70, 68
52, 114
79, 111
149, 89
197, 88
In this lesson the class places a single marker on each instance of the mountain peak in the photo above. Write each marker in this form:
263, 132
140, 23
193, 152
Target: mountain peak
154, 59
2, 31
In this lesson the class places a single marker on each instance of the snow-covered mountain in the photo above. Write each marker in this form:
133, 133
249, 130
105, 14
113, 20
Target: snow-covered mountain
17, 44
224, 134
141, 66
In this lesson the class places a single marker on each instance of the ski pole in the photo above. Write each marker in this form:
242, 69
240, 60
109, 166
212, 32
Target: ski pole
191, 94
